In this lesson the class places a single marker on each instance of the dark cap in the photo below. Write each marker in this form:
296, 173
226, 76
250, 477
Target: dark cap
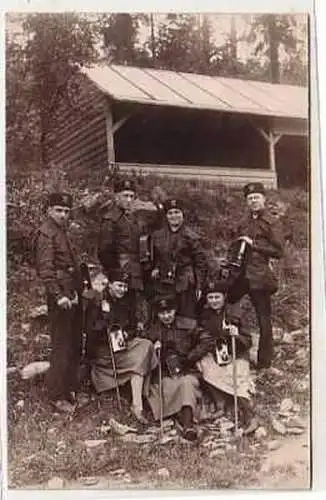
124, 185
118, 275
216, 286
60, 199
165, 303
253, 187
173, 203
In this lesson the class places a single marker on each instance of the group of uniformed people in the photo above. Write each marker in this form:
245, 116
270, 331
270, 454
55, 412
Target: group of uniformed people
161, 322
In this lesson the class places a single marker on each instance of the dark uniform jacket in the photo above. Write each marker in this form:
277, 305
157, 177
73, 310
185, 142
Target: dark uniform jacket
268, 243
122, 313
188, 345
119, 240
212, 322
183, 250
56, 262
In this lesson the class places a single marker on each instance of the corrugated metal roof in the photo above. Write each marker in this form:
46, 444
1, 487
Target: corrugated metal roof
189, 90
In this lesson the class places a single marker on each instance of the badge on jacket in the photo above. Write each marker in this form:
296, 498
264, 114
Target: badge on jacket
118, 340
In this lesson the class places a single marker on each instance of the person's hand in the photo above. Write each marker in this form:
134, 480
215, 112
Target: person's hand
140, 327
155, 273
248, 240
234, 330
105, 306
198, 294
64, 303
157, 345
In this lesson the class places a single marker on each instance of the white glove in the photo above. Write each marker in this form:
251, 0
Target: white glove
248, 240
157, 345
155, 273
64, 303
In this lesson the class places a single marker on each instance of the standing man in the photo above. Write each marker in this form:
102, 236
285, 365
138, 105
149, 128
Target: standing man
124, 242
264, 241
180, 264
58, 268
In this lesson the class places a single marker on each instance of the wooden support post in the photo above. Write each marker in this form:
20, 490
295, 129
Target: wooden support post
272, 140
109, 134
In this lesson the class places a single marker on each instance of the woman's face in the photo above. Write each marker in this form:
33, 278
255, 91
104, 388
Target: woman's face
215, 300
167, 316
175, 218
118, 289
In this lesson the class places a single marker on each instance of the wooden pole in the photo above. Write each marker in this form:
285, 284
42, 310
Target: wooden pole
110, 134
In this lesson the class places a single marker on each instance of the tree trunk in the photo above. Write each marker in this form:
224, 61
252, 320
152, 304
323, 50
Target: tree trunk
274, 68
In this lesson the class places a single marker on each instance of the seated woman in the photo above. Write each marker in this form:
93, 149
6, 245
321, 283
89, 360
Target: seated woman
180, 349
111, 318
216, 368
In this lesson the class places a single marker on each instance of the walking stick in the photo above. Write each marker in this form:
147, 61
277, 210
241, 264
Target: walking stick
160, 388
114, 370
235, 385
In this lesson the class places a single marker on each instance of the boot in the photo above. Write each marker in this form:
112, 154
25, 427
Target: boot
185, 418
250, 422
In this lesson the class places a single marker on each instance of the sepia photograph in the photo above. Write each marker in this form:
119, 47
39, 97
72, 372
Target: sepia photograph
158, 187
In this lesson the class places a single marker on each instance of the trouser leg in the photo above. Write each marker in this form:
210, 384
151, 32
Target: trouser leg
62, 376
262, 303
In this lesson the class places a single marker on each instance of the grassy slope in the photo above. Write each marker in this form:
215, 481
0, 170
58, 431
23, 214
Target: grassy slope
33, 451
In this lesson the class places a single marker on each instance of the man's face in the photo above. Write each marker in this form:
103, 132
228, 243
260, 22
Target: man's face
215, 300
256, 201
175, 218
59, 214
167, 317
118, 289
125, 199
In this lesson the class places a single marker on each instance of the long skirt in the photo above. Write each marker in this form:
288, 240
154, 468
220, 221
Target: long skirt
221, 377
139, 358
177, 392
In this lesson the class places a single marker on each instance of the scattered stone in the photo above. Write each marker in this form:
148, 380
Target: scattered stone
275, 371
296, 422
168, 423
166, 439
216, 453
38, 312
11, 370
94, 443
287, 338
20, 404
226, 425
278, 426
301, 353
26, 327
163, 473
56, 483
260, 432
105, 429
118, 472
286, 406
290, 362
51, 432
120, 429
89, 481
138, 438
273, 445
301, 386
36, 368
295, 430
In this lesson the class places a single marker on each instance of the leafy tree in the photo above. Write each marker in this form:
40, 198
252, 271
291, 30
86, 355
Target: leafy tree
56, 46
120, 33
270, 32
